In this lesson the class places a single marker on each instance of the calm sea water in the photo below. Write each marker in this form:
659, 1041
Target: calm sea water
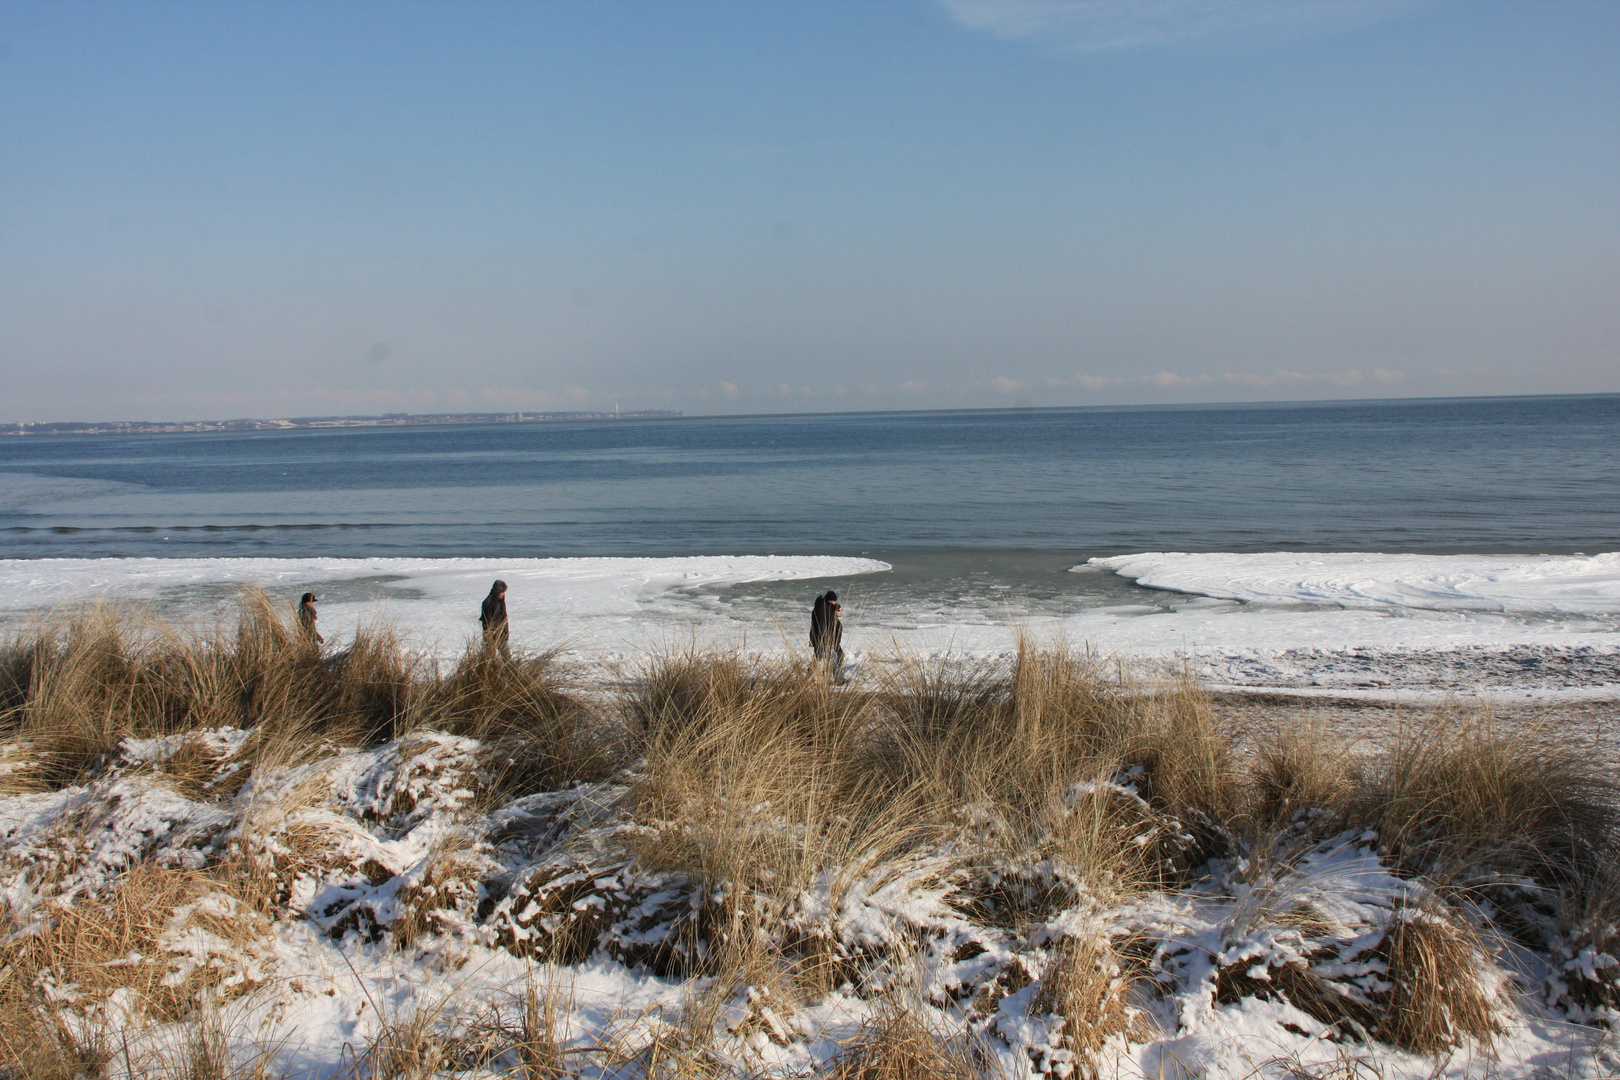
1455, 475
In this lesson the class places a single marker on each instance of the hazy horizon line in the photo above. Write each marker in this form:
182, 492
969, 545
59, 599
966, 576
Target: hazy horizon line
593, 415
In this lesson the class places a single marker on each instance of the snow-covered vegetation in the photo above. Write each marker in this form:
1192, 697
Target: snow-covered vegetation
234, 856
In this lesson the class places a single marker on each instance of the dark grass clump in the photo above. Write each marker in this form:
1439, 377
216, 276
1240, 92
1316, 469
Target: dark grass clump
1059, 717
1114, 787
74, 695
1586, 977
678, 690
358, 694
1425, 985
36, 1044
755, 779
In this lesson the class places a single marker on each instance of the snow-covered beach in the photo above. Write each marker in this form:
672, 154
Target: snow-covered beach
1506, 628
415, 906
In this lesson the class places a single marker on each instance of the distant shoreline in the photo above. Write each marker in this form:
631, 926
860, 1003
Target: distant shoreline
156, 427
162, 427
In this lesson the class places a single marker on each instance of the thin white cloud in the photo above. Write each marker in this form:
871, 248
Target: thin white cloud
1348, 377
1102, 25
1173, 380
1253, 382
1003, 385
1170, 379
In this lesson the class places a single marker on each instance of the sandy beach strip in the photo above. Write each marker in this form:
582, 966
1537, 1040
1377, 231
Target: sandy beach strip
1367, 724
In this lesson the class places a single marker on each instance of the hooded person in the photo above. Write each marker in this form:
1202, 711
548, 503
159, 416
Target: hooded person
306, 619
492, 616
826, 632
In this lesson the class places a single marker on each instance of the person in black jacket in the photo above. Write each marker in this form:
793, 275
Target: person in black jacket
826, 632
493, 618
306, 620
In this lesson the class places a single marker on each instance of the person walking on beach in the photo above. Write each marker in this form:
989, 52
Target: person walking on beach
306, 620
826, 632
492, 616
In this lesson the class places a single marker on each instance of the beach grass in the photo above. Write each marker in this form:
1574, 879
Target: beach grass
1011, 832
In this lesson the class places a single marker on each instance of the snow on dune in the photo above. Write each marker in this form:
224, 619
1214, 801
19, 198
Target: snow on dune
409, 912
1511, 584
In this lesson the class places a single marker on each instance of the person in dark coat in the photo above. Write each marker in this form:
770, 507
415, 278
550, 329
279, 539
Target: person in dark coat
826, 632
306, 619
493, 618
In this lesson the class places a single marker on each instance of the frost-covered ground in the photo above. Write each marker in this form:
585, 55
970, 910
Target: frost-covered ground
408, 912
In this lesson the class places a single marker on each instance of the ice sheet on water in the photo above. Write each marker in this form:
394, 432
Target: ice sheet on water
1376, 623
574, 597
1513, 584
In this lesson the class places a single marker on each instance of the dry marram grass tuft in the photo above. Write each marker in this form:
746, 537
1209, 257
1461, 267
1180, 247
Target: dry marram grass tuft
1089, 984
1435, 967
1456, 795
166, 935
899, 1043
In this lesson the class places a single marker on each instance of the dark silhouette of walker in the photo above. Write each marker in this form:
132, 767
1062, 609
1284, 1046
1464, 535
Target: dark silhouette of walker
306, 619
826, 632
492, 616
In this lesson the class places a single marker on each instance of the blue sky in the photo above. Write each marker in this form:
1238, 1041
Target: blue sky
256, 209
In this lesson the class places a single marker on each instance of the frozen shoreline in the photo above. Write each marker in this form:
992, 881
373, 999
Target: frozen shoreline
1419, 628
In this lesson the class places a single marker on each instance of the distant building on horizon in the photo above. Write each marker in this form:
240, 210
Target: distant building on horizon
163, 427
